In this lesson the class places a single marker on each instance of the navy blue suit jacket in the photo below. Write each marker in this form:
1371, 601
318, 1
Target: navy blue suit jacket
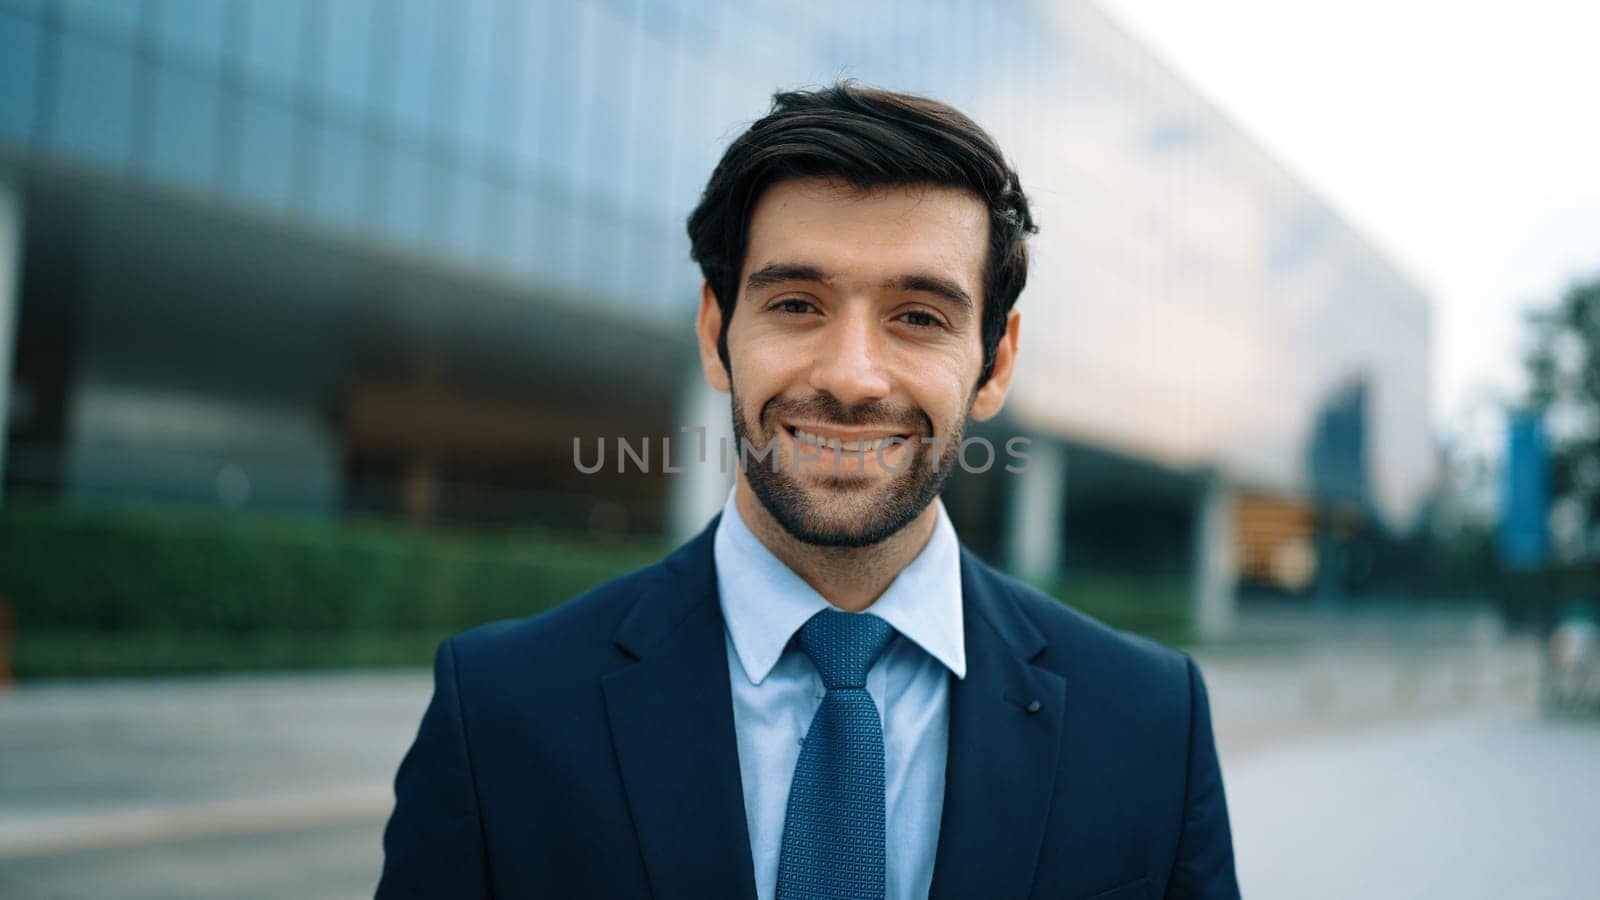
589, 752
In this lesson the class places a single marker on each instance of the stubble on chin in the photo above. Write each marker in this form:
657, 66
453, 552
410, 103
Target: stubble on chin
840, 509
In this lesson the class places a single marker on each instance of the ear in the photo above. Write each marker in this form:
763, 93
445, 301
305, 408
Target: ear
992, 395
708, 327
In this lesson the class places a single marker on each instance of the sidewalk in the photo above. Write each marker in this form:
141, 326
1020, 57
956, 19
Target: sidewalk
117, 763
277, 786
1261, 698
1483, 805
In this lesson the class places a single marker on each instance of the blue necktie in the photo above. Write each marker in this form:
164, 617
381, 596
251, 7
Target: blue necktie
833, 833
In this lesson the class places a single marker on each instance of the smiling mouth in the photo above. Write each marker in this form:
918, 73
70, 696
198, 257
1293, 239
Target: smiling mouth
861, 443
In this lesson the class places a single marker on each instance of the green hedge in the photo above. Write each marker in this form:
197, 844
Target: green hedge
80, 654
1156, 607
100, 591
142, 591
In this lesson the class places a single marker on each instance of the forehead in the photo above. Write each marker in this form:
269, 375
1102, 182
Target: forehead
886, 231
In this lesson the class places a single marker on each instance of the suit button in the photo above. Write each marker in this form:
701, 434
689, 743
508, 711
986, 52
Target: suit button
1033, 706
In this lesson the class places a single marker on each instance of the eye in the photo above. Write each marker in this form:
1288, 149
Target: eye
921, 319
792, 305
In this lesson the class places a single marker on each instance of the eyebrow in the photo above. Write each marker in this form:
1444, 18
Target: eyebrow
933, 284
785, 273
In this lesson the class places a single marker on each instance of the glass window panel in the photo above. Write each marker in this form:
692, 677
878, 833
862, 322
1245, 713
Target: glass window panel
467, 199
479, 90
405, 206
19, 71
605, 248
93, 100
120, 16
556, 229
439, 213
575, 272
772, 60
339, 152
346, 59
272, 50
695, 141
532, 103
183, 127
644, 285
689, 161
722, 107
520, 252
698, 18
683, 279
408, 27
266, 150
667, 278
512, 64
650, 125
444, 88
377, 162
498, 219
550, 123
603, 142
195, 27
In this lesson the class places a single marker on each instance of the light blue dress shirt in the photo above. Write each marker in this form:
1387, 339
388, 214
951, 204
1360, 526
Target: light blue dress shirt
776, 692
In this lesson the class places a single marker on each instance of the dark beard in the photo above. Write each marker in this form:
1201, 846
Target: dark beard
905, 497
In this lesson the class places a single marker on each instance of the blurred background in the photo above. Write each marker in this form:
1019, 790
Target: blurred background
305, 306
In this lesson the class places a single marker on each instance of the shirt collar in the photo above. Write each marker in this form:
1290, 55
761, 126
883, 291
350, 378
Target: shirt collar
764, 602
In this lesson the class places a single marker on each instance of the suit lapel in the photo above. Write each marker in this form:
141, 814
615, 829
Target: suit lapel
671, 716
1001, 769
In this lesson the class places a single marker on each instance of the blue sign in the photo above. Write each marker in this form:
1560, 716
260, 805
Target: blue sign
1524, 536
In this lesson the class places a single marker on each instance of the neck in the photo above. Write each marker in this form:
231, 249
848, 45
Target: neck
850, 578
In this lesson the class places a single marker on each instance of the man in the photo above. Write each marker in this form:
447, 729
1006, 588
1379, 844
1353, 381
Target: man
824, 694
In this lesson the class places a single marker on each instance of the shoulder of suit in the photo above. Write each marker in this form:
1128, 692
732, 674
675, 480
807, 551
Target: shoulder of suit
1079, 643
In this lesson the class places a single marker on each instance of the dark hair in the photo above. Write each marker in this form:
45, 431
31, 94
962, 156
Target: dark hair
867, 138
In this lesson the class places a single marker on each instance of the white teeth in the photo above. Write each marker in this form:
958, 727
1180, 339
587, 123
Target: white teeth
807, 437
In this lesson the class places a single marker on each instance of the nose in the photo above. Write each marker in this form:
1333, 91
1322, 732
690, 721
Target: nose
852, 364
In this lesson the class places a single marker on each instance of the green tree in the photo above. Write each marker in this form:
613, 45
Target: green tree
1563, 365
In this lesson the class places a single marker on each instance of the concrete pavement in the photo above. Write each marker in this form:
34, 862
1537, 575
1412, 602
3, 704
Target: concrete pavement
1355, 768
1481, 806
124, 763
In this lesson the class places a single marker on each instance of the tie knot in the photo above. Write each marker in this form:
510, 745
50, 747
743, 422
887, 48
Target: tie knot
843, 646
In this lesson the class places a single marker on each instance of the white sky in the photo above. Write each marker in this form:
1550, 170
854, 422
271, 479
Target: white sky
1463, 138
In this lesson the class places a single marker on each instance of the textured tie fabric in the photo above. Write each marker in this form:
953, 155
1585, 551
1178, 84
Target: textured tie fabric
833, 833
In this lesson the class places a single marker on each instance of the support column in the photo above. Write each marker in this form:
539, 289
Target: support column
698, 492
1034, 519
1214, 564
10, 302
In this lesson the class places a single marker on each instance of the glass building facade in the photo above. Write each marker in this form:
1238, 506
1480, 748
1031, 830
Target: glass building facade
394, 254
557, 143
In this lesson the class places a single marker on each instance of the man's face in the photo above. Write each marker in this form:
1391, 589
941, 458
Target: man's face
858, 321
